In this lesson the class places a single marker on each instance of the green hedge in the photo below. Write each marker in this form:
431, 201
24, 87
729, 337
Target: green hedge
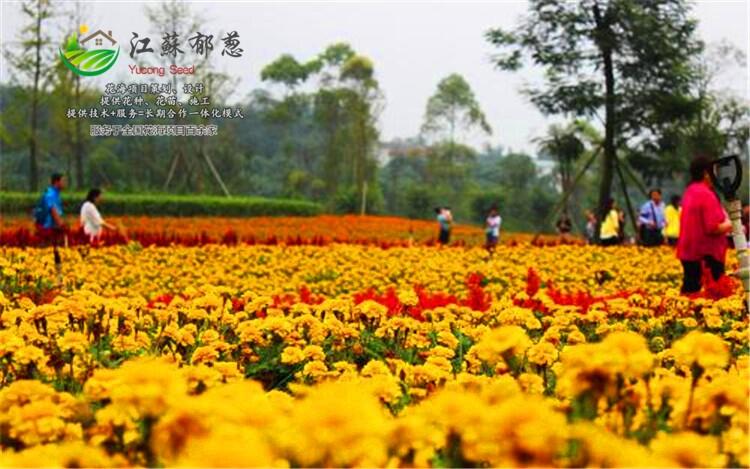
21, 203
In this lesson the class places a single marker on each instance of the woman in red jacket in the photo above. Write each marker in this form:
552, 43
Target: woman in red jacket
703, 228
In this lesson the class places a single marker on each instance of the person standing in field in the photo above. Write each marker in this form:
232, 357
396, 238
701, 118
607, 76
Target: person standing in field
704, 226
672, 220
48, 215
445, 219
609, 233
492, 229
651, 219
564, 226
92, 222
590, 226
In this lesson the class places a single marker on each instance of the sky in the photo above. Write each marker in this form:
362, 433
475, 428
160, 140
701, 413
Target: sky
412, 44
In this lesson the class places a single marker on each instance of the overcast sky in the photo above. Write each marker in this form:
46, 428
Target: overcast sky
413, 46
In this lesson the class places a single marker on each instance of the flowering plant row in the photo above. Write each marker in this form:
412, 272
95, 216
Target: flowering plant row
320, 230
345, 355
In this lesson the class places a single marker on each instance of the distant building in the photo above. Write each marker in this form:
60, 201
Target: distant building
386, 151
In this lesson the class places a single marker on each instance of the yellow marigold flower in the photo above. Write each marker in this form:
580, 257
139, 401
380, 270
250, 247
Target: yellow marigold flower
601, 448
210, 336
278, 325
314, 369
521, 431
201, 377
418, 340
73, 454
628, 353
112, 418
531, 383
514, 315
503, 340
29, 354
186, 335
148, 386
552, 335
228, 370
441, 351
292, 355
323, 432
701, 348
657, 343
251, 332
73, 341
576, 337
689, 450
499, 388
344, 367
9, 342
128, 343
205, 354
408, 297
314, 352
714, 321
543, 354
735, 442
371, 309
228, 446
374, 368
689, 323
385, 387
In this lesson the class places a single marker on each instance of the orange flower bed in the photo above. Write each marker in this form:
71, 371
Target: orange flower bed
319, 230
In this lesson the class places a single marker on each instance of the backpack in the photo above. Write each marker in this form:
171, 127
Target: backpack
40, 211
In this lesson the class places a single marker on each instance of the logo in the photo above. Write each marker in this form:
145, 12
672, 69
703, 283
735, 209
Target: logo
90, 62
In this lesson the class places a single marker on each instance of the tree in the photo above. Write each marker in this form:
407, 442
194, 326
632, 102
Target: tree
29, 57
68, 92
364, 106
723, 113
722, 123
565, 146
176, 18
629, 58
453, 108
333, 130
330, 112
517, 171
286, 70
290, 110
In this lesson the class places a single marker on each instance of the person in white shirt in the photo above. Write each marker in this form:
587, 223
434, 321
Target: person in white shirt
492, 229
92, 222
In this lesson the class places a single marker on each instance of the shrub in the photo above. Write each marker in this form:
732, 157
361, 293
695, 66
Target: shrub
349, 200
20, 203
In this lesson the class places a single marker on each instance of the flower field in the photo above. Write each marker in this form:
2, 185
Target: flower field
319, 230
353, 355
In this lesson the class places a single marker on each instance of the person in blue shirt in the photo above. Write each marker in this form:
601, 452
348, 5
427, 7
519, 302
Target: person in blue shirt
52, 220
651, 219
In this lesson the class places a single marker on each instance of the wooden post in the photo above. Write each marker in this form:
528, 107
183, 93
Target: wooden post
364, 198
172, 168
216, 174
571, 189
629, 172
627, 199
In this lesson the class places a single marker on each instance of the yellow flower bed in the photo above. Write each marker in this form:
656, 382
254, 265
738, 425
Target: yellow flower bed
344, 355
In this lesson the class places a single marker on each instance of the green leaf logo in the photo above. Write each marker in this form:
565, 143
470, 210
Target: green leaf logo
91, 62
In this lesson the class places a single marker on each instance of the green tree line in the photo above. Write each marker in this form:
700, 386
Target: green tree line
634, 86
